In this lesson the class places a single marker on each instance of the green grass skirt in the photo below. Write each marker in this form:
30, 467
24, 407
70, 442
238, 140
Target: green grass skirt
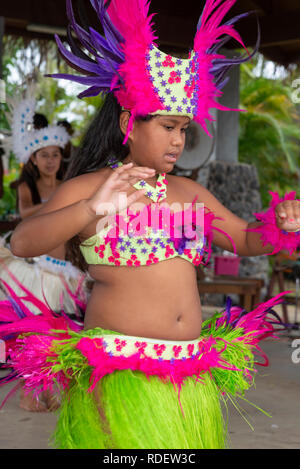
128, 410
141, 413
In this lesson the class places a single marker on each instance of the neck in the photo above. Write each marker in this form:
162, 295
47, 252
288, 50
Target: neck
152, 180
48, 181
156, 189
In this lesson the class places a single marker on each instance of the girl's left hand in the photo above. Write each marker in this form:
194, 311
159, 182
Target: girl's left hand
288, 215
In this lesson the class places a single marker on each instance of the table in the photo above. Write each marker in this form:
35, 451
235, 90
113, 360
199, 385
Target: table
283, 264
247, 288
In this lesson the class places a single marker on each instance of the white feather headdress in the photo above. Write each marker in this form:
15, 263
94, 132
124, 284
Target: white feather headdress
25, 139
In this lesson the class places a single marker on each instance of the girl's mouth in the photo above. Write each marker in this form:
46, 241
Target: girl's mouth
171, 158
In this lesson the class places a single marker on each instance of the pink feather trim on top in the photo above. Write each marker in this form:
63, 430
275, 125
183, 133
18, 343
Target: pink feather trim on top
270, 233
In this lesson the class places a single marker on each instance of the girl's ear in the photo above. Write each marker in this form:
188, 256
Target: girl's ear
124, 119
33, 159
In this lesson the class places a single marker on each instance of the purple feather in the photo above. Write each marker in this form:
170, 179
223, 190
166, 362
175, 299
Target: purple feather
107, 52
102, 45
91, 81
222, 83
16, 307
8, 378
219, 45
81, 34
226, 39
74, 47
92, 91
227, 309
80, 64
235, 19
222, 66
107, 24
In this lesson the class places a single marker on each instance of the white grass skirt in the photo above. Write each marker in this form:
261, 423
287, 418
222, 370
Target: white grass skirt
42, 276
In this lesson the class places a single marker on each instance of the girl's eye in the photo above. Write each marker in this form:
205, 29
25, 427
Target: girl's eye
168, 127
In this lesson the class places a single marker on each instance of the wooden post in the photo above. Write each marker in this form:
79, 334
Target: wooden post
228, 122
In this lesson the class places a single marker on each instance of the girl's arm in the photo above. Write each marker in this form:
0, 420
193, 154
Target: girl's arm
26, 207
58, 223
247, 243
76, 204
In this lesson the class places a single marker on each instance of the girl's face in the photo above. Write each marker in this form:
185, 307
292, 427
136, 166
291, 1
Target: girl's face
158, 143
48, 160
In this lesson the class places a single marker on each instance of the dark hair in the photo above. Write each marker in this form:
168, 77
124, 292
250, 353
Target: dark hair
30, 174
39, 121
102, 141
66, 125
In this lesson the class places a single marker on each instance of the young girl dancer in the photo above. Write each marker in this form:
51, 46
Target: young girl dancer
145, 372
39, 147
49, 276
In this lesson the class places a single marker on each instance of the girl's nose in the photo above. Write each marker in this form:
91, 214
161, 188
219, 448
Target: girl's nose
178, 138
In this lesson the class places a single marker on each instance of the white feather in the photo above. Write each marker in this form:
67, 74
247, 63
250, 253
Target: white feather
24, 139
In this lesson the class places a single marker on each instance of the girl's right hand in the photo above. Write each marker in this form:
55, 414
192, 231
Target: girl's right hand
112, 195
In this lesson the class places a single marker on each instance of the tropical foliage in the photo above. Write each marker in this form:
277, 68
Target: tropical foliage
270, 130
9, 200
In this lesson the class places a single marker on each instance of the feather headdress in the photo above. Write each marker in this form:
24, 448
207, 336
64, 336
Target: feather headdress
144, 79
25, 139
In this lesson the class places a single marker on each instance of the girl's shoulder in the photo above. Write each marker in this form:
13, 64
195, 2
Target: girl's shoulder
186, 185
22, 184
88, 183
76, 189
187, 189
23, 188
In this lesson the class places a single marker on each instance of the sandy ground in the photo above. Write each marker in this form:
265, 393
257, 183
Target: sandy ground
276, 391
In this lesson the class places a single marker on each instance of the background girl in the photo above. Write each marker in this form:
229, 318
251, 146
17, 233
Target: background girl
47, 276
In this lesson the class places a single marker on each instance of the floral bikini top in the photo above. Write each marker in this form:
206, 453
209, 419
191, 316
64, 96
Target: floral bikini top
153, 234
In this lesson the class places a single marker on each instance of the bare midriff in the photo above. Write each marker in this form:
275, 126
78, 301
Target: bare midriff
159, 301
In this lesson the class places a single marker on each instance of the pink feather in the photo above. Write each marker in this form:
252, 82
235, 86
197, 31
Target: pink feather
175, 371
132, 20
270, 233
43, 323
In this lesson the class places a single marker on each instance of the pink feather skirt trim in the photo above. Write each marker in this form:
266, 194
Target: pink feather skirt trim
55, 350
